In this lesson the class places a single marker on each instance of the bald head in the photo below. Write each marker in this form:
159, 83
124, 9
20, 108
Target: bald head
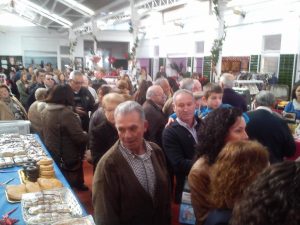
156, 94
227, 80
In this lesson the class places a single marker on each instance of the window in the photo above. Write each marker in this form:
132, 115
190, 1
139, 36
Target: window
269, 64
272, 42
199, 46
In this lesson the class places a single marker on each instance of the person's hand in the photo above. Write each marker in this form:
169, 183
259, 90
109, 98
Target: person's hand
80, 111
88, 156
170, 120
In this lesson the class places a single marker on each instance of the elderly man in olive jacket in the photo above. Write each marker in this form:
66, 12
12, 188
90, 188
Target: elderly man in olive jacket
131, 183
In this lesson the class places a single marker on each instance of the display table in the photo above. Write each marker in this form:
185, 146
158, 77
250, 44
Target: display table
8, 173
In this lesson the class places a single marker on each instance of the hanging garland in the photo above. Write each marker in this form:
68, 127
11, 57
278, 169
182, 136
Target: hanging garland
217, 48
216, 8
218, 43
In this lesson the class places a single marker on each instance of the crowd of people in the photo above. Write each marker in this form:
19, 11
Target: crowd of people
147, 142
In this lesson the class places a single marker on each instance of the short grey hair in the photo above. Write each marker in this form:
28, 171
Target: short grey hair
160, 81
151, 91
187, 84
74, 74
129, 107
182, 91
265, 98
40, 94
227, 79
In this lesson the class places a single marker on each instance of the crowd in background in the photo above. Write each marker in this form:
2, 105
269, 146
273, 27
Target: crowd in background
147, 139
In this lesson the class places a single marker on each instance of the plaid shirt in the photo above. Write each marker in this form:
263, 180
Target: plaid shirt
142, 167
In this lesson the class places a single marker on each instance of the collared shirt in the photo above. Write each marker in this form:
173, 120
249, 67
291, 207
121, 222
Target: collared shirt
142, 167
192, 129
265, 108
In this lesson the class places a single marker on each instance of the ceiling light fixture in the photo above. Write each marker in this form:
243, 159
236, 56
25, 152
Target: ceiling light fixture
46, 13
78, 7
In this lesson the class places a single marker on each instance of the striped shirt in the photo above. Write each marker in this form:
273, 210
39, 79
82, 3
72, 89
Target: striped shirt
142, 167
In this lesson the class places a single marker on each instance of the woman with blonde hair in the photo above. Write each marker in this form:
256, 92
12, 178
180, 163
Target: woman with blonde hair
23, 85
236, 167
104, 135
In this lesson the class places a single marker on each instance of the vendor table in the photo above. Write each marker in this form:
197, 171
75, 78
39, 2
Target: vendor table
9, 173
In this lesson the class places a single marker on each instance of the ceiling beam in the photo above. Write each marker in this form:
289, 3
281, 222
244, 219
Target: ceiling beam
64, 12
98, 12
75, 5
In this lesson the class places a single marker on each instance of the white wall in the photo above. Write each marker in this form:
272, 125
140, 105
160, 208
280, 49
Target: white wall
43, 42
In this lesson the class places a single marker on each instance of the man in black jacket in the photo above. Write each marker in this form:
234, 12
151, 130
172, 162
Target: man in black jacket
270, 129
229, 95
84, 101
155, 99
180, 137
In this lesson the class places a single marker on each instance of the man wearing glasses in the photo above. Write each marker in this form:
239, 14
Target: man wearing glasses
84, 101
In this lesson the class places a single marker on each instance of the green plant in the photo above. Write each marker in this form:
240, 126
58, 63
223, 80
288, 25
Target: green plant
216, 8
216, 48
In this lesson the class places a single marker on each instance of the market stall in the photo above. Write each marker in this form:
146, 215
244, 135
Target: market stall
16, 152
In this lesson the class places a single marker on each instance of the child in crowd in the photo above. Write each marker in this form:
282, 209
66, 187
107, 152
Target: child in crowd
212, 98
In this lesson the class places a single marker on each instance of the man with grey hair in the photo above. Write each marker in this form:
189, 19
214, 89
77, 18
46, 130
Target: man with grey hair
155, 99
229, 95
180, 137
189, 84
269, 129
164, 84
84, 101
131, 183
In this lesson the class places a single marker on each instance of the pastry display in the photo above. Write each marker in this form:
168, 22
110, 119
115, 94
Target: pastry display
45, 161
61, 208
46, 184
50, 206
20, 147
6, 162
32, 187
87, 220
14, 192
20, 160
46, 168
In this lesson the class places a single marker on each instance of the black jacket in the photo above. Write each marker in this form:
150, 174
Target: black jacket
85, 100
157, 121
235, 99
273, 132
179, 146
102, 138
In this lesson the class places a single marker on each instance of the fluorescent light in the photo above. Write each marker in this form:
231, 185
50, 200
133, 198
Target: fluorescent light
46, 13
79, 7
8, 19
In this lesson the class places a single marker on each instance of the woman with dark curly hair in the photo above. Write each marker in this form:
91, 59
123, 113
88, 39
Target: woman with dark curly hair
236, 167
273, 198
219, 127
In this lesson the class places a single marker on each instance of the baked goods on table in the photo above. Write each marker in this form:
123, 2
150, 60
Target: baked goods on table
14, 192
20, 148
87, 220
50, 206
